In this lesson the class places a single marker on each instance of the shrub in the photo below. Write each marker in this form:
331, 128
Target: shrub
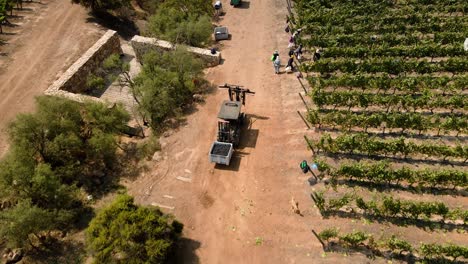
170, 80
173, 25
94, 82
126, 233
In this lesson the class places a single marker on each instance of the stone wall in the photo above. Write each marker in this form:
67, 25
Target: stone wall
74, 79
142, 45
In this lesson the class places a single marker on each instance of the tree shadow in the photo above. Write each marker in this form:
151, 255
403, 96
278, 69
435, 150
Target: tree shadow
58, 252
185, 252
125, 165
126, 28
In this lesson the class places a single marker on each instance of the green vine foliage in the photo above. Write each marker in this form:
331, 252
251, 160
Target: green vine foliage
393, 120
389, 207
362, 143
424, 100
390, 65
425, 252
408, 85
382, 173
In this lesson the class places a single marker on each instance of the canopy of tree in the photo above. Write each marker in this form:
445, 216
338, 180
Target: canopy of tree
53, 152
127, 233
184, 22
168, 79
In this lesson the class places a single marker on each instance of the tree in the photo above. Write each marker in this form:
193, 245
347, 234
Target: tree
54, 150
25, 223
102, 5
189, 7
77, 141
170, 80
126, 233
176, 26
21, 179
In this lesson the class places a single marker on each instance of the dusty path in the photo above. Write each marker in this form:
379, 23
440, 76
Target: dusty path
48, 37
242, 214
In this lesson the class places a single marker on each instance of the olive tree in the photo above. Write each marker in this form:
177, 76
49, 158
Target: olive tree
166, 82
53, 152
76, 140
127, 233
175, 26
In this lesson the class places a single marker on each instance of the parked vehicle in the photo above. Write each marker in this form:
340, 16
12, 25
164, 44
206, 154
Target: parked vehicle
236, 3
221, 33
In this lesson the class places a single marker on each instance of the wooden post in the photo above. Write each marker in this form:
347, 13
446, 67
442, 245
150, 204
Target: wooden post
320, 240
303, 87
308, 143
302, 98
303, 119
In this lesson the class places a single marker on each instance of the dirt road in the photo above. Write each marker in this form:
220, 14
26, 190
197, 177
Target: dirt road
47, 37
241, 214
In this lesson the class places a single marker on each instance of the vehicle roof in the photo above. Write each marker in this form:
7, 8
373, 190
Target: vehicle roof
230, 110
221, 30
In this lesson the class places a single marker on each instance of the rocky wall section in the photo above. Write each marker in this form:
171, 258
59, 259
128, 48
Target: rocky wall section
73, 81
142, 45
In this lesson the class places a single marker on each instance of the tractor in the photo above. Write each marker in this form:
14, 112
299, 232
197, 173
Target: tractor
230, 124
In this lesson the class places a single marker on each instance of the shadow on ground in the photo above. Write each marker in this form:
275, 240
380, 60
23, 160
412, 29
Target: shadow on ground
125, 28
185, 253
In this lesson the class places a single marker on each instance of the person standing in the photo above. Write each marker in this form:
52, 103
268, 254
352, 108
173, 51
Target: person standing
277, 64
273, 57
298, 52
289, 66
291, 42
317, 55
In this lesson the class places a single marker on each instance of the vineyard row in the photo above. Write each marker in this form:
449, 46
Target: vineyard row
362, 143
429, 252
382, 173
389, 207
385, 83
426, 100
388, 65
387, 39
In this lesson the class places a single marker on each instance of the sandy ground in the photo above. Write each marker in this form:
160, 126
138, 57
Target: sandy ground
236, 214
47, 37
241, 214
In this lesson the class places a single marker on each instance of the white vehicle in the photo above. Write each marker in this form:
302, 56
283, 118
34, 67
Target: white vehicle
221, 33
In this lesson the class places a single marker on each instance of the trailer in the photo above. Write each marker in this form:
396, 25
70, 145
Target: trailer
221, 153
